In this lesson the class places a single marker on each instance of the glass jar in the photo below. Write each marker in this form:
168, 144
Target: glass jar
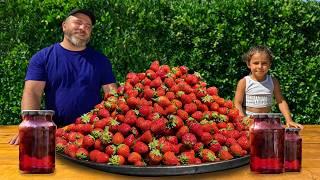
37, 142
267, 143
293, 150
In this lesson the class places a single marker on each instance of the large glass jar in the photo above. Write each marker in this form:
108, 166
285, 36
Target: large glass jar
267, 143
293, 150
37, 142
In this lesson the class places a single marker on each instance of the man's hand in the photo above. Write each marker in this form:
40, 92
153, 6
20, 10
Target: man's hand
294, 124
14, 140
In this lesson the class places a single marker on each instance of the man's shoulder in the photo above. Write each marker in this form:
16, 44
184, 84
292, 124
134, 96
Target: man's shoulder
47, 49
96, 53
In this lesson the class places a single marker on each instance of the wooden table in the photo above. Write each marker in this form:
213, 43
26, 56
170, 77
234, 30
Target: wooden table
9, 164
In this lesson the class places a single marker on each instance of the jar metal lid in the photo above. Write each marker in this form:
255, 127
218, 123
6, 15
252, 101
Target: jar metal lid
266, 115
291, 129
37, 112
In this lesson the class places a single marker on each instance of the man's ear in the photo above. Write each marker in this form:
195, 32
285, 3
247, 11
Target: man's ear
63, 25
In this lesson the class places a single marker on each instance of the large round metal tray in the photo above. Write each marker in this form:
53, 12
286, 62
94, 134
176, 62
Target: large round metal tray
163, 170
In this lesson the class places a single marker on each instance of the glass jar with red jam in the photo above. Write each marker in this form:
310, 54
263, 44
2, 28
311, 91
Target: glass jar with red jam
293, 150
267, 143
37, 142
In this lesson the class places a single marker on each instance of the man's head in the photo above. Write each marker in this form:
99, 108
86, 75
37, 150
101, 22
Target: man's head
77, 27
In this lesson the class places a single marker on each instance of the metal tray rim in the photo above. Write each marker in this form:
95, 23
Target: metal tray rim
162, 170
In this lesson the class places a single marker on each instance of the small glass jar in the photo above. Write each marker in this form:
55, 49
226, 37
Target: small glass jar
267, 143
37, 142
293, 150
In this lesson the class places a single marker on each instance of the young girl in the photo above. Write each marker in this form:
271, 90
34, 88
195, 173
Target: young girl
255, 92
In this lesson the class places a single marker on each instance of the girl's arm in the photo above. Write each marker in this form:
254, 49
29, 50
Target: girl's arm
283, 106
239, 95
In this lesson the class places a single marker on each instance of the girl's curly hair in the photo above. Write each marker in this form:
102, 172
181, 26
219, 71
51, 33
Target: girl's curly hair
257, 49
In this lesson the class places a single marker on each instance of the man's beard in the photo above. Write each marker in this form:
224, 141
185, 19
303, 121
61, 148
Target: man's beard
76, 41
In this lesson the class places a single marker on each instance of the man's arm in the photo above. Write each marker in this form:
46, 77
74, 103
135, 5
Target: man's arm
108, 87
31, 100
32, 94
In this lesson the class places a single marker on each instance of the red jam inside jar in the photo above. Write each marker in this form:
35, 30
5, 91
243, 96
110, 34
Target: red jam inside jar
267, 143
293, 150
37, 142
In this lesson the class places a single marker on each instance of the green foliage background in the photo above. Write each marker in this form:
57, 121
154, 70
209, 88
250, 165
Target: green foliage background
207, 36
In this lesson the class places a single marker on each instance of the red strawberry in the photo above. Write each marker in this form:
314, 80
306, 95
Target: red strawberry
189, 139
98, 145
133, 102
117, 160
224, 154
93, 155
129, 140
230, 141
244, 143
166, 146
183, 69
169, 82
228, 104
171, 109
222, 125
192, 79
102, 157
212, 90
155, 157
145, 110
185, 98
155, 66
82, 154
146, 137
88, 141
236, 149
103, 113
206, 138
182, 114
140, 147
117, 138
198, 115
190, 108
220, 138
163, 101
177, 103
187, 157
111, 150
175, 122
144, 125
214, 106
203, 107
123, 107
157, 82
123, 150
71, 150
208, 155
148, 93
172, 139
223, 110
124, 128
196, 128
170, 159
161, 91
158, 126
198, 147
215, 146
151, 74
134, 157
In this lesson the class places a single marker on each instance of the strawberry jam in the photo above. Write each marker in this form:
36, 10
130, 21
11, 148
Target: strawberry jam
293, 150
37, 142
267, 143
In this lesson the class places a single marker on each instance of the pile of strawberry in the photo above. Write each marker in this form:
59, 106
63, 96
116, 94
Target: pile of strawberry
162, 116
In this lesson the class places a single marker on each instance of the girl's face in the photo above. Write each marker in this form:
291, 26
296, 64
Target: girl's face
259, 65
